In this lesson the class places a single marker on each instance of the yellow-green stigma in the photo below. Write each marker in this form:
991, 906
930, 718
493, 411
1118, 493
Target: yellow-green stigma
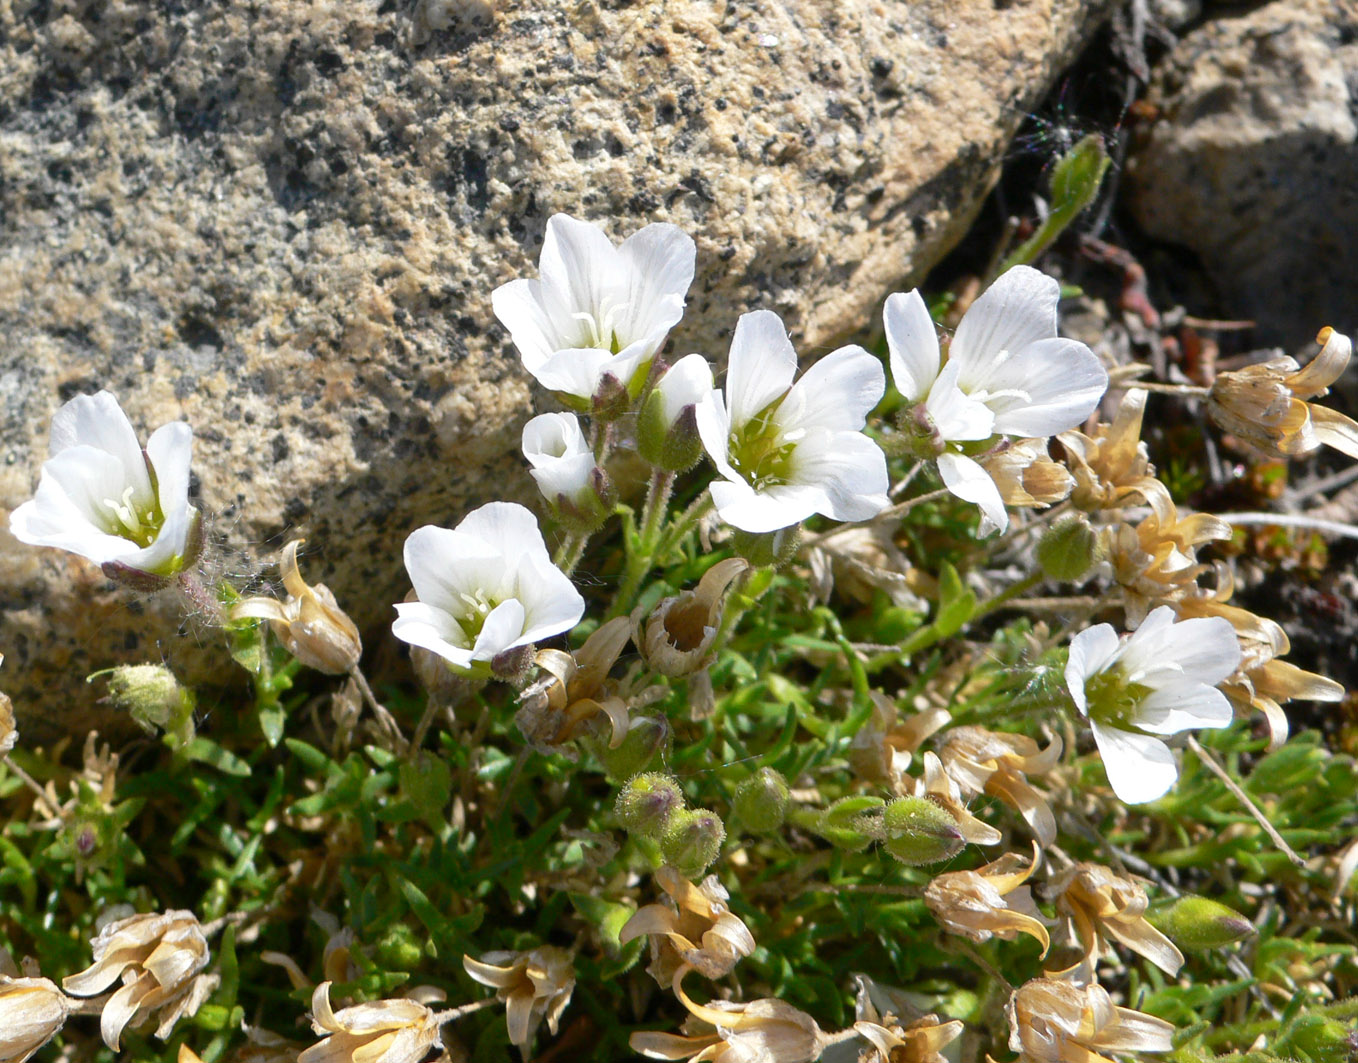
140, 526
1113, 701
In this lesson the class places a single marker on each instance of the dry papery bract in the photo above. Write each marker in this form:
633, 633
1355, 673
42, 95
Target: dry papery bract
991, 901
676, 638
1098, 905
1056, 1022
1026, 476
1155, 561
695, 927
938, 786
882, 749
159, 959
1111, 468
381, 1031
535, 986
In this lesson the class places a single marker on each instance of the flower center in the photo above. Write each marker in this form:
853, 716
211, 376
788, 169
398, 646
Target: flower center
601, 327
474, 618
762, 452
127, 522
1113, 700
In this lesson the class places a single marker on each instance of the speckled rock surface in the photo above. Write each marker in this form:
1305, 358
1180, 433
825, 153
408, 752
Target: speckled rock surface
1253, 164
282, 219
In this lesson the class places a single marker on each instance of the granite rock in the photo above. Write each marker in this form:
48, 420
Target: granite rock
282, 220
1251, 164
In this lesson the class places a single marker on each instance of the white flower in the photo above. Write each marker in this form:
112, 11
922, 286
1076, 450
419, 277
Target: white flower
483, 588
1159, 680
562, 462
1007, 374
597, 309
789, 450
101, 496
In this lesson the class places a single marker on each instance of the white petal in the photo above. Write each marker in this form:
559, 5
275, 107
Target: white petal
1018, 309
432, 629
1045, 388
660, 260
761, 366
502, 630
164, 556
838, 392
564, 476
551, 602
170, 450
67, 512
575, 371
714, 429
508, 526
971, 483
1090, 652
98, 421
518, 306
686, 383
443, 565
957, 416
1140, 767
1161, 651
579, 267
740, 506
1181, 708
848, 467
913, 342
550, 437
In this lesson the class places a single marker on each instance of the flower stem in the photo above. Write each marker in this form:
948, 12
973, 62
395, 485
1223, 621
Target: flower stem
453, 1014
570, 551
384, 718
41, 796
644, 547
1210, 763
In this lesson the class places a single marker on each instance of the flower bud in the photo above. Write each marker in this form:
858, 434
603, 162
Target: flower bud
32, 1010
761, 801
647, 803
511, 665
577, 489
692, 841
612, 399
920, 832
1199, 923
310, 624
667, 430
1078, 174
152, 696
1323, 1038
1068, 548
851, 823
765, 549
646, 737
678, 635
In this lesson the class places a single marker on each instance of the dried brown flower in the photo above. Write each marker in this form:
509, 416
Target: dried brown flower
159, 958
883, 747
309, 623
1026, 476
576, 690
883, 1020
1266, 405
535, 986
1096, 905
1111, 467
988, 762
32, 1011
989, 902
1155, 561
676, 638
1056, 1022
765, 1030
694, 927
381, 1031
9, 729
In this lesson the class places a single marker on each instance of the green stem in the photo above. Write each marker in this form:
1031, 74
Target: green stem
570, 551
644, 547
683, 524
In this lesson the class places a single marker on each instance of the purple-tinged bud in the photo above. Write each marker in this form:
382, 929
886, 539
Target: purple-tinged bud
647, 804
1194, 922
692, 841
